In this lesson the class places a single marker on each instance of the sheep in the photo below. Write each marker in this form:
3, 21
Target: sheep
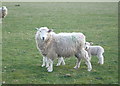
3, 11
52, 45
95, 51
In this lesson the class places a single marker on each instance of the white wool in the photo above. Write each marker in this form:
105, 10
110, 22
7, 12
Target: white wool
52, 45
95, 51
3, 11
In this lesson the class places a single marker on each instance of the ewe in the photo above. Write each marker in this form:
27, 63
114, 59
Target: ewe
52, 45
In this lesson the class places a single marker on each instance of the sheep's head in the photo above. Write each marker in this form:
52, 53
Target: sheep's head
4, 11
44, 32
4, 8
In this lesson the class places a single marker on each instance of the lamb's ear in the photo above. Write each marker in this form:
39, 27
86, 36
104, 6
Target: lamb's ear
37, 28
91, 43
50, 30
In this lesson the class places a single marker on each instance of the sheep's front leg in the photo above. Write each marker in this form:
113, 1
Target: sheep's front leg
50, 67
60, 60
44, 61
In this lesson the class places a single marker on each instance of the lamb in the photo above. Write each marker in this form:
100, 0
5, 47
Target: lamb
95, 51
52, 45
3, 11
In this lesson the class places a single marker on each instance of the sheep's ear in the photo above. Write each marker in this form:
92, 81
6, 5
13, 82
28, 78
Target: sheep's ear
37, 28
91, 43
50, 30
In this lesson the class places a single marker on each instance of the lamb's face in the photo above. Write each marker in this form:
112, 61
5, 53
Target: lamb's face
44, 31
87, 45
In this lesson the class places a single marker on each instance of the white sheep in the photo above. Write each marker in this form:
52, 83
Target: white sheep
95, 51
52, 45
3, 11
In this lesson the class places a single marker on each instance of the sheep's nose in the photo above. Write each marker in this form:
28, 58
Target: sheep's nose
43, 38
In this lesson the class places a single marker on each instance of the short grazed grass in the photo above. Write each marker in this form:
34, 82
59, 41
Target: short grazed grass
21, 61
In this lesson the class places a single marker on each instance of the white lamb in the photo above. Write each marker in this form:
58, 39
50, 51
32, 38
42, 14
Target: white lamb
52, 45
3, 11
95, 51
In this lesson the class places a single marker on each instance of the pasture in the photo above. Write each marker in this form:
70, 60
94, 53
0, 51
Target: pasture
21, 61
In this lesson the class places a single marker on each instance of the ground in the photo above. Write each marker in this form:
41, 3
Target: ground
21, 61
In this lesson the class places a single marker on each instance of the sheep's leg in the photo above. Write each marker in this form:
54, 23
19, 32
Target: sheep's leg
87, 59
78, 63
101, 59
50, 67
44, 61
60, 60
63, 62
47, 63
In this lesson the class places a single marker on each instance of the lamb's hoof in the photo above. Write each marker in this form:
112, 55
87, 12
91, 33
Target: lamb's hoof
42, 65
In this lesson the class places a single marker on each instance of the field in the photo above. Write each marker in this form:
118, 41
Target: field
21, 61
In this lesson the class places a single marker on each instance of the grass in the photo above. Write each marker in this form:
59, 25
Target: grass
21, 61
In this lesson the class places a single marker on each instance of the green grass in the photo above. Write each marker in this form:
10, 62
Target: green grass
21, 61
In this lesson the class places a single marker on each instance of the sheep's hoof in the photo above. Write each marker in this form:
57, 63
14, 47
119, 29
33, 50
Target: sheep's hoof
89, 69
43, 65
49, 70
58, 65
47, 66
100, 63
75, 67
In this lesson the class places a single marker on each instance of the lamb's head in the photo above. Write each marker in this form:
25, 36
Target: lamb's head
44, 32
87, 45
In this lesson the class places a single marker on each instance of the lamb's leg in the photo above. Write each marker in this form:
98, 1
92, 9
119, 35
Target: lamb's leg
101, 59
60, 60
50, 67
44, 61
87, 59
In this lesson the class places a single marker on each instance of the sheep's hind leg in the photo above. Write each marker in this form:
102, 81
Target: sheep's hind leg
78, 62
87, 59
60, 61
